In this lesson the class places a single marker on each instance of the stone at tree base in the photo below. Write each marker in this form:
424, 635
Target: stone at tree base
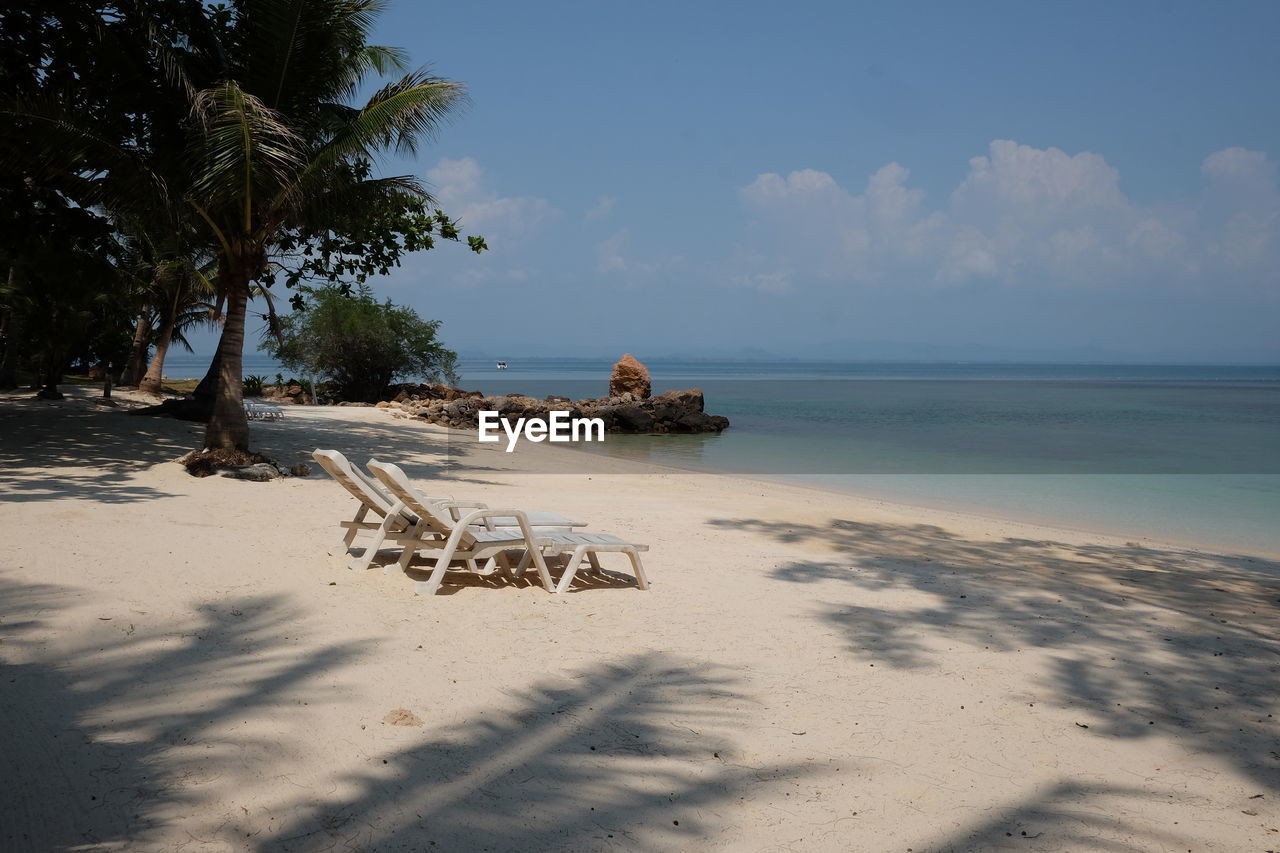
629, 377
259, 473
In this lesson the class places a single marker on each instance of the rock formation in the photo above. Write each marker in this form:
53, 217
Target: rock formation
629, 377
669, 412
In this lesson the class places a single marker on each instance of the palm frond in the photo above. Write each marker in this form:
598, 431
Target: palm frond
63, 151
407, 112
305, 52
381, 59
246, 151
397, 116
337, 199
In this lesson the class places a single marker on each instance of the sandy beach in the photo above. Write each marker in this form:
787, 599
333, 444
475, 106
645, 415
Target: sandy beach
186, 669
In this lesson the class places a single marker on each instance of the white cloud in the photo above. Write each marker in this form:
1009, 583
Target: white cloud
1248, 168
601, 209
463, 193
1022, 216
1034, 182
609, 253
776, 283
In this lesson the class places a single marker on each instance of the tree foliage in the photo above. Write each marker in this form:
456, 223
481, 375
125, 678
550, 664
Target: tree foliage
223, 132
361, 344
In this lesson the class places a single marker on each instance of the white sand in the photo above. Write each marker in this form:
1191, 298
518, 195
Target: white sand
185, 669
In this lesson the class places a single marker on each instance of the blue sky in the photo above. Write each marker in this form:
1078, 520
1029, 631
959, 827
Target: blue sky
831, 180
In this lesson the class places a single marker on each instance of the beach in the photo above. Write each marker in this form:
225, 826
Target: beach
187, 669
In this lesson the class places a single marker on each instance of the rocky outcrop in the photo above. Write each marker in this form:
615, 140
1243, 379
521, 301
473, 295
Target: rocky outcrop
669, 412
290, 392
430, 391
629, 377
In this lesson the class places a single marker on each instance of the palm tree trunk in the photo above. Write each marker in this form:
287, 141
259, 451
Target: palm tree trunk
152, 382
8, 364
229, 426
133, 368
207, 389
9, 330
51, 366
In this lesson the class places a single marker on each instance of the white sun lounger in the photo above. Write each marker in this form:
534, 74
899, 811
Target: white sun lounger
372, 498
397, 524
445, 540
588, 545
263, 412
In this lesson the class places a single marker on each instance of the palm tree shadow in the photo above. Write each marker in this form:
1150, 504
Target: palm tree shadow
1070, 815
1147, 640
95, 454
106, 746
430, 455
622, 756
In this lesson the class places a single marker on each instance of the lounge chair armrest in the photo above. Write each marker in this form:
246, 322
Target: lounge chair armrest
455, 506
486, 514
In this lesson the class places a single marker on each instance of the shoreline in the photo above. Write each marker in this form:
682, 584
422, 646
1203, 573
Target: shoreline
939, 510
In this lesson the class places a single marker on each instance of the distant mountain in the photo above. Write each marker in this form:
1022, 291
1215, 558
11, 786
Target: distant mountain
888, 351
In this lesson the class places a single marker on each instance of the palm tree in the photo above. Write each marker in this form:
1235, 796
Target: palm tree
250, 147
184, 290
169, 287
278, 152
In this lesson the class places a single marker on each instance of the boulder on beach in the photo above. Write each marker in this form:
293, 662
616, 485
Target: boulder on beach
629, 377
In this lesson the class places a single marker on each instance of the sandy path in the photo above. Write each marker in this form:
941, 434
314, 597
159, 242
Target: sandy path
185, 669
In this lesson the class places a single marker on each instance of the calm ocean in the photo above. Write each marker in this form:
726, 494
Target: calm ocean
1184, 453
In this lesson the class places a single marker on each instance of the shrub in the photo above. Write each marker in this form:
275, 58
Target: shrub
253, 385
361, 344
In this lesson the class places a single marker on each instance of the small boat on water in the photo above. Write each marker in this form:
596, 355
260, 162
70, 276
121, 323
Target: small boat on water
502, 365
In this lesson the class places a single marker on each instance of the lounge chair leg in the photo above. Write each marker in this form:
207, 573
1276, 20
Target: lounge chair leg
345, 545
540, 563
359, 564
595, 562
570, 569
379, 536
432, 583
504, 566
523, 565
641, 581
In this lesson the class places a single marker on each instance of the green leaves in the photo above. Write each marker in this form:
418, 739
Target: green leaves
245, 152
363, 345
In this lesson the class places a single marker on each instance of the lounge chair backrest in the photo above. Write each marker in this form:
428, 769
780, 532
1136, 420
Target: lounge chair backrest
436, 517
353, 480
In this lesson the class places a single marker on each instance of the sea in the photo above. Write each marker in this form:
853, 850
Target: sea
1181, 453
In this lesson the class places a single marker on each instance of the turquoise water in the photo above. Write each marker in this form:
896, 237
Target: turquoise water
1182, 453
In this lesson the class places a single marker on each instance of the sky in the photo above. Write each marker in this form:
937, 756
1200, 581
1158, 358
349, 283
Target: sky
1028, 181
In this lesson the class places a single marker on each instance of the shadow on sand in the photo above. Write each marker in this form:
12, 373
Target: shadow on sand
98, 452
113, 750
108, 448
425, 455
618, 758
1145, 640
100, 745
